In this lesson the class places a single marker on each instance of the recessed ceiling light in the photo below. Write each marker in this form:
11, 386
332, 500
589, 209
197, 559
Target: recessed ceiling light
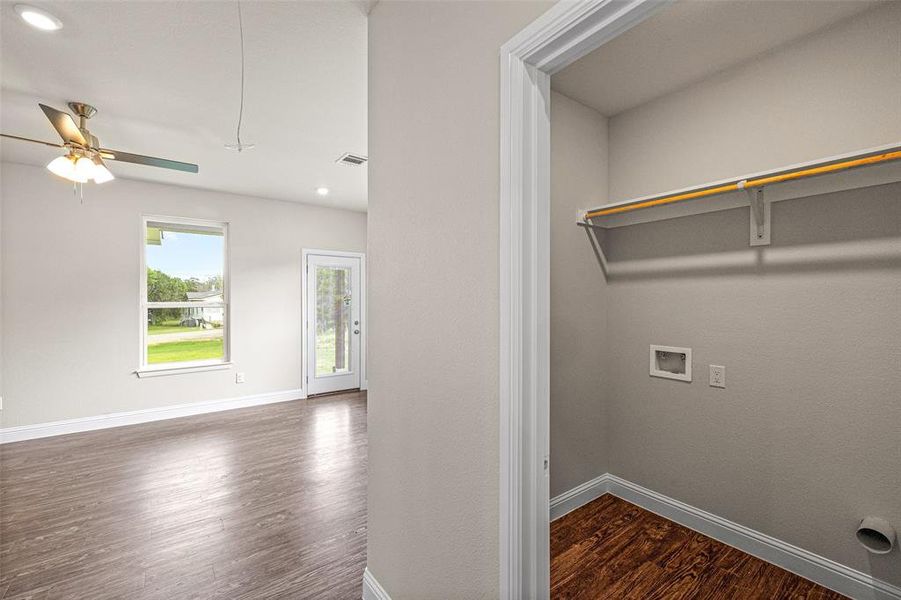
37, 18
322, 191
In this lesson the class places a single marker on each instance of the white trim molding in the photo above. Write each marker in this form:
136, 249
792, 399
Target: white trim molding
170, 370
562, 35
821, 570
147, 415
372, 590
580, 495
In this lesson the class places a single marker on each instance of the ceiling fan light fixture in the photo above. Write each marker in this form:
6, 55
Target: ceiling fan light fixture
80, 168
101, 173
38, 18
64, 166
84, 168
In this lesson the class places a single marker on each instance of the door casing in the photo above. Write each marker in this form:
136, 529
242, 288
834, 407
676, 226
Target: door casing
564, 34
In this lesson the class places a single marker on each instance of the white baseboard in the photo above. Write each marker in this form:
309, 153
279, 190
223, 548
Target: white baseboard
40, 430
818, 569
579, 496
372, 590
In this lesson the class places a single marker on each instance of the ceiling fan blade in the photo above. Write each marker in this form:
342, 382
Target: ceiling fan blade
150, 161
64, 125
25, 139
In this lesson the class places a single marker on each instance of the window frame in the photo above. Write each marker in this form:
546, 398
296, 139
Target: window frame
146, 369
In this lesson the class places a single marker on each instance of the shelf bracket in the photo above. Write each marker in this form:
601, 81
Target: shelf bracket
590, 225
595, 232
760, 217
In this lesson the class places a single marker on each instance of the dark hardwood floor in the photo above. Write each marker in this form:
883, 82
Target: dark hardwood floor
259, 503
610, 548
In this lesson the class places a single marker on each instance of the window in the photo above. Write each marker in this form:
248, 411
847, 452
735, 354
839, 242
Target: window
184, 306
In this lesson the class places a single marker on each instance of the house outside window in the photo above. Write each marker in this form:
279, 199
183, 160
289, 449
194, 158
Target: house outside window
184, 295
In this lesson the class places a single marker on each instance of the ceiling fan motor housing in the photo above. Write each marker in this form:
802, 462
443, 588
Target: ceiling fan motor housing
83, 109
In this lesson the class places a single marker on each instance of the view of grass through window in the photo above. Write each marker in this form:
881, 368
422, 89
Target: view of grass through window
333, 303
185, 267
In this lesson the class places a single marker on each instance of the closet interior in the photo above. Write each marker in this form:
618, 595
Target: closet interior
725, 394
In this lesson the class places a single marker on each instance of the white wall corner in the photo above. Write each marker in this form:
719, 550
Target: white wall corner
372, 590
134, 417
821, 570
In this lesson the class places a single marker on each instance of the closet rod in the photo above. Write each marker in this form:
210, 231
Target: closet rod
811, 171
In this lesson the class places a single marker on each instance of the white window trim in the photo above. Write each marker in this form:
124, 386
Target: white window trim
156, 370
186, 368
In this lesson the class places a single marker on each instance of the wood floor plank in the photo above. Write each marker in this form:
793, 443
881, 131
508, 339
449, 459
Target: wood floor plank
612, 549
264, 502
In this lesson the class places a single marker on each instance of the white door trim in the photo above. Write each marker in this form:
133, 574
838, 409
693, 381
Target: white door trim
364, 316
568, 31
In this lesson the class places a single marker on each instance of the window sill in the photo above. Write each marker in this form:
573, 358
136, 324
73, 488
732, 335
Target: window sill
168, 370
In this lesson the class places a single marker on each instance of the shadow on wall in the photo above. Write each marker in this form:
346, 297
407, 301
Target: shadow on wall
848, 230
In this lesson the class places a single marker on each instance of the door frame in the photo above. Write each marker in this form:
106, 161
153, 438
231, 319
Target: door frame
565, 33
305, 355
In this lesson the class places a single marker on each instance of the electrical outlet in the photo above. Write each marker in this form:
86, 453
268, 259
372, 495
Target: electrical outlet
717, 376
239, 378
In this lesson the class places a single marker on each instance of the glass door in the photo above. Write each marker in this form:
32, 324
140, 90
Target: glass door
333, 323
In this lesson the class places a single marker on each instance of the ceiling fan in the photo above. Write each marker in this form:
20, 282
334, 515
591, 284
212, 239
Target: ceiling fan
83, 160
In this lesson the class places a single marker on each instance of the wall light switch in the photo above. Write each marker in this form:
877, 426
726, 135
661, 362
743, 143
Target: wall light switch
239, 377
717, 376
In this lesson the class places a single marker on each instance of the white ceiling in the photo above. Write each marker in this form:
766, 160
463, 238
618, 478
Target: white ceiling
165, 77
689, 41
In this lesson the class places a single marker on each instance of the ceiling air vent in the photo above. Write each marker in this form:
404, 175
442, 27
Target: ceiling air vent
353, 160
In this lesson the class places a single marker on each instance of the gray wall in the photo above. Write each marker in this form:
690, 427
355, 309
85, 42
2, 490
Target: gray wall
433, 255
2, 418
70, 281
578, 349
804, 440
835, 91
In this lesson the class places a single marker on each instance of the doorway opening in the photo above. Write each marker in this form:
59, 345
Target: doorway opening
645, 245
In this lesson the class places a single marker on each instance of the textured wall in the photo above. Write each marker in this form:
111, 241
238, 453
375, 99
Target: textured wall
804, 441
578, 298
433, 250
835, 91
71, 277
